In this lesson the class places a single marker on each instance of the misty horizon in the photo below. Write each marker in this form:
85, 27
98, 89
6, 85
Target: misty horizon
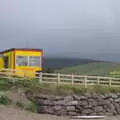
73, 28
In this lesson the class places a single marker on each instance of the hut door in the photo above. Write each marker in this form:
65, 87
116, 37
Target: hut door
6, 61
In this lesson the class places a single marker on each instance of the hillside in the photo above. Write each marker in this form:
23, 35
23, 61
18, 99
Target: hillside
98, 68
65, 62
18, 102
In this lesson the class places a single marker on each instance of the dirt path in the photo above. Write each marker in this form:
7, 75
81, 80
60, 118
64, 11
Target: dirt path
9, 113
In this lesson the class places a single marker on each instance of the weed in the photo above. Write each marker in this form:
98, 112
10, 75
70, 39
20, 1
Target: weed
32, 107
5, 100
20, 104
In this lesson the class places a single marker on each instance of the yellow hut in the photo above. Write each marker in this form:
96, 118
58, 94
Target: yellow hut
23, 62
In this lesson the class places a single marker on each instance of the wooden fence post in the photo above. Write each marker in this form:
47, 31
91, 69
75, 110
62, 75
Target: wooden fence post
72, 79
110, 82
58, 78
10, 74
41, 77
98, 80
85, 81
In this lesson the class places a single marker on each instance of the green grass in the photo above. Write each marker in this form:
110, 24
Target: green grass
20, 104
70, 89
34, 87
29, 107
99, 68
32, 107
5, 100
4, 84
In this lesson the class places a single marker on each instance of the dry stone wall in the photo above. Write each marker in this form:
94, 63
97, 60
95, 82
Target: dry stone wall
83, 104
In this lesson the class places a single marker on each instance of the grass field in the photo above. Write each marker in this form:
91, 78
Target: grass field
98, 68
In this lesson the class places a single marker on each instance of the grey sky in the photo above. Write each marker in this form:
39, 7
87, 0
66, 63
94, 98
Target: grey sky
62, 27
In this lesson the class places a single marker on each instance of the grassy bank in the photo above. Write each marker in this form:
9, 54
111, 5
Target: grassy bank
10, 92
34, 86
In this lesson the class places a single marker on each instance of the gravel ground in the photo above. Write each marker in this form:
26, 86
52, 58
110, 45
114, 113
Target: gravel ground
9, 113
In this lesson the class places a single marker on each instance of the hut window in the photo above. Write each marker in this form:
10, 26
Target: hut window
28, 61
6, 62
22, 61
34, 61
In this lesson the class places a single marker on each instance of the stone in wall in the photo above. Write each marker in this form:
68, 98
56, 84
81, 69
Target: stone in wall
84, 104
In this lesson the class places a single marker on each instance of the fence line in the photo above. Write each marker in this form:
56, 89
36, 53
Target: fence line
59, 78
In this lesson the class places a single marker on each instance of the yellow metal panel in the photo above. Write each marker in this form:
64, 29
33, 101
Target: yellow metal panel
27, 71
28, 53
11, 59
1, 63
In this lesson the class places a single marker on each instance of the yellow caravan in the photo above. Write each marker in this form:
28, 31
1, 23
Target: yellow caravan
24, 62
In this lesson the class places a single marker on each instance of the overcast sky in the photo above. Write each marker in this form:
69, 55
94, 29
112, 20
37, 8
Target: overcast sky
63, 27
